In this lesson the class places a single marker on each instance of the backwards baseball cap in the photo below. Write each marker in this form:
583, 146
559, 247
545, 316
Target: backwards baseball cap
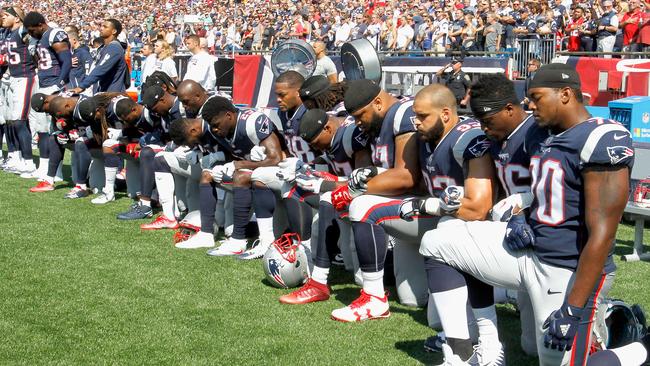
152, 95
37, 102
359, 94
87, 108
312, 123
314, 86
555, 76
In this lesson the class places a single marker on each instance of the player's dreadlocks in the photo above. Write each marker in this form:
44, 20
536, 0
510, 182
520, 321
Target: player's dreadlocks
328, 100
162, 79
100, 127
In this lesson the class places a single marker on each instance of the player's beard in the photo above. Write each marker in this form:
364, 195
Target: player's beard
434, 134
375, 124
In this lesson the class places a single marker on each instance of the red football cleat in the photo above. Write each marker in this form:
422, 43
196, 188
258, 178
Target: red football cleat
42, 187
161, 222
311, 291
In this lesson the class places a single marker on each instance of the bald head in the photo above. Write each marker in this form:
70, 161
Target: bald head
438, 95
319, 47
61, 107
192, 95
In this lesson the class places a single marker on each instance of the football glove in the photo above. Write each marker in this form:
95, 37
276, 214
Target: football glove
133, 149
223, 173
342, 196
74, 135
210, 160
62, 138
360, 177
114, 133
411, 207
60, 124
519, 235
561, 327
511, 205
450, 199
258, 153
289, 167
309, 182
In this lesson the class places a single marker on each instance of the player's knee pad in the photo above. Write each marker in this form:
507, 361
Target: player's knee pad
410, 276
147, 154
111, 161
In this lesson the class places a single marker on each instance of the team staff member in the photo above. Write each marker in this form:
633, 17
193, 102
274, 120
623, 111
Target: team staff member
109, 72
200, 67
456, 80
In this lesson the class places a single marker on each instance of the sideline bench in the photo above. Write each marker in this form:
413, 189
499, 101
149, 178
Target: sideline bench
641, 170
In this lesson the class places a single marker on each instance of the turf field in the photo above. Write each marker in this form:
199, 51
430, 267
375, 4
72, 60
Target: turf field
79, 287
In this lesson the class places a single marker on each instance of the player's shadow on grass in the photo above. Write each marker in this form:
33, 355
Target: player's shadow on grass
415, 350
624, 247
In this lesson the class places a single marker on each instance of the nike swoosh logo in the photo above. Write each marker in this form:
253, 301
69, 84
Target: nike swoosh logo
617, 137
549, 292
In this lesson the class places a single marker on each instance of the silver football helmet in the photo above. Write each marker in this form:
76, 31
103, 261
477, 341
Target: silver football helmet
189, 226
285, 262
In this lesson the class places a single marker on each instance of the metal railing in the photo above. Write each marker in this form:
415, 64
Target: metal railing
528, 49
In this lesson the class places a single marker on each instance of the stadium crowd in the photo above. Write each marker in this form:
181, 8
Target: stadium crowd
402, 186
473, 25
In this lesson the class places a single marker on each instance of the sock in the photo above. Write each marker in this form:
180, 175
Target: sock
320, 274
147, 174
328, 235
49, 179
265, 225
373, 283
452, 309
82, 185
42, 166
370, 241
165, 187
486, 320
83, 160
109, 186
207, 206
242, 200
145, 202
632, 354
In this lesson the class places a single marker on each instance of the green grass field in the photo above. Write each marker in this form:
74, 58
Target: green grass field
79, 287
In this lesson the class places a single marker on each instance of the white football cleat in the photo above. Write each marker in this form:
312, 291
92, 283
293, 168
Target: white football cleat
102, 199
229, 246
451, 359
365, 307
31, 175
257, 251
489, 353
198, 240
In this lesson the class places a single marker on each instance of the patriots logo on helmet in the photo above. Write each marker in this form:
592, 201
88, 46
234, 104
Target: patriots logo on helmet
619, 153
480, 147
274, 270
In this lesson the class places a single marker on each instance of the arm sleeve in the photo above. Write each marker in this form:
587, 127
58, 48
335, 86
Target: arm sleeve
104, 65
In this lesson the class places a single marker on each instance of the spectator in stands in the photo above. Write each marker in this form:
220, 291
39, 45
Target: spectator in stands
200, 66
452, 76
533, 65
405, 34
324, 65
165, 59
630, 25
441, 28
492, 32
268, 36
359, 28
644, 30
343, 31
373, 31
606, 30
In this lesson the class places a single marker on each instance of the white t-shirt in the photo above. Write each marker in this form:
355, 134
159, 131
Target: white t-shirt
404, 34
168, 66
148, 66
200, 68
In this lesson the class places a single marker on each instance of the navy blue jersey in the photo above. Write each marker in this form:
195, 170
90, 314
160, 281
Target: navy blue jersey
112, 119
297, 147
3, 36
511, 159
49, 68
83, 60
399, 119
447, 164
338, 110
348, 140
252, 128
557, 214
19, 59
211, 143
109, 70
177, 111
76, 117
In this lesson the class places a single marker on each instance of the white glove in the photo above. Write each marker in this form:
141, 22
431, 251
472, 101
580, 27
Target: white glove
450, 199
74, 135
114, 133
511, 205
289, 167
193, 157
309, 182
223, 172
360, 176
258, 153
62, 138
180, 153
208, 161
217, 173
